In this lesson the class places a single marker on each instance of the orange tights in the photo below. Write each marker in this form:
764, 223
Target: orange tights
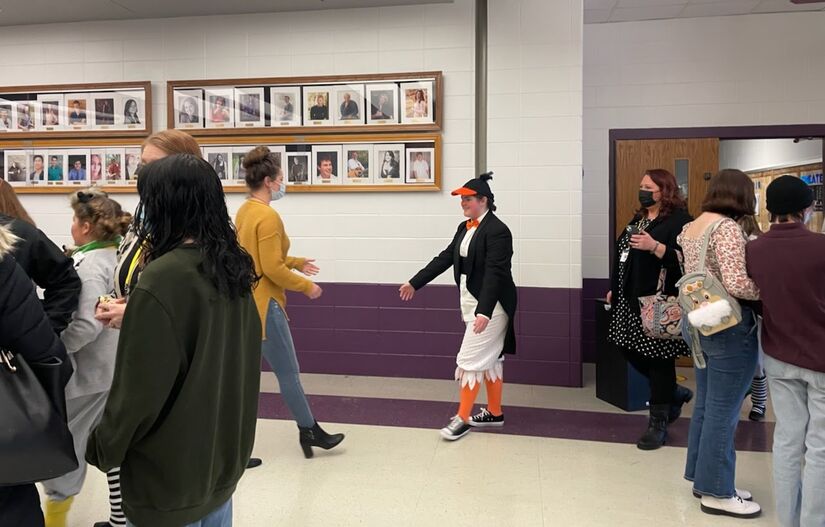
468, 398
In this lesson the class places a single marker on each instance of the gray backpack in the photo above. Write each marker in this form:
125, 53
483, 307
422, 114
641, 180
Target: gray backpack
705, 302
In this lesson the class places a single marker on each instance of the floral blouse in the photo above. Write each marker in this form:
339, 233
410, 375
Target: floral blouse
725, 259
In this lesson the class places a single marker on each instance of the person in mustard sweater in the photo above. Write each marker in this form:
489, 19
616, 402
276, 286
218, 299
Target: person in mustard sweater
261, 232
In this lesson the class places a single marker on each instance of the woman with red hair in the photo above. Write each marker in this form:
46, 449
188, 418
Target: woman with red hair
646, 251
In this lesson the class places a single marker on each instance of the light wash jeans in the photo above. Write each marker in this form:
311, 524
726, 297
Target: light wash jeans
731, 357
279, 351
798, 397
220, 517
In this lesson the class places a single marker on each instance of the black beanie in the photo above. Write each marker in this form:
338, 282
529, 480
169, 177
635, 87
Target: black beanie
788, 195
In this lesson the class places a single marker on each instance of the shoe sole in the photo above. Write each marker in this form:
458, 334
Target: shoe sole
486, 425
699, 496
451, 437
722, 512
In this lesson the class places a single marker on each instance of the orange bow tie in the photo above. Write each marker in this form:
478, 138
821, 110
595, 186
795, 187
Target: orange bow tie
471, 224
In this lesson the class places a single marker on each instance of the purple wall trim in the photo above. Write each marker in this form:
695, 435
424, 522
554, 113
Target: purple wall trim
365, 329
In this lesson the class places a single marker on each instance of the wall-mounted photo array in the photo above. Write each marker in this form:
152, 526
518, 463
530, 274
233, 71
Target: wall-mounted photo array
71, 166
335, 164
66, 111
351, 104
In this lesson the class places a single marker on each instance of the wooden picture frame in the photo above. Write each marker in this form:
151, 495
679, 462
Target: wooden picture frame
35, 95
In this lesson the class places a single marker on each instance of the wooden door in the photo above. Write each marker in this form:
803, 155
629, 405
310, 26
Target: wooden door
691, 160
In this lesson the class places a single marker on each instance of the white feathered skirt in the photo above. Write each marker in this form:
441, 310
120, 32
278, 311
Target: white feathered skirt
478, 359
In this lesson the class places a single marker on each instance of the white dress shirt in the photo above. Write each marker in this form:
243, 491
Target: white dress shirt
469, 303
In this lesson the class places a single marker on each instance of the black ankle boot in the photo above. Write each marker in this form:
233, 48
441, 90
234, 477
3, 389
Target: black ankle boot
681, 396
315, 436
656, 433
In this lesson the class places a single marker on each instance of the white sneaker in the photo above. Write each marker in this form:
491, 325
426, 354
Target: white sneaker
742, 493
735, 506
456, 429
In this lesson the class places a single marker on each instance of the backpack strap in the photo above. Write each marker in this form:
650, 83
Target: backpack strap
706, 244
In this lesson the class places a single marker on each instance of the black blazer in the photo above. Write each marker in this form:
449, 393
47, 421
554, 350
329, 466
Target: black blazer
49, 268
489, 277
644, 268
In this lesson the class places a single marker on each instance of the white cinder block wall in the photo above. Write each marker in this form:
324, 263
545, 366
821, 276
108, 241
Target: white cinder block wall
535, 117
724, 71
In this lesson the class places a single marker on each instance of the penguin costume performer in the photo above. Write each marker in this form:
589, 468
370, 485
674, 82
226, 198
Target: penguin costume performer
480, 254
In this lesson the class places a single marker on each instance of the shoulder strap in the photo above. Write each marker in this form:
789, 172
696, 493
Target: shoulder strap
706, 243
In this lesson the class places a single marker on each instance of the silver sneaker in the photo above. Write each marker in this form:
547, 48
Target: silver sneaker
456, 429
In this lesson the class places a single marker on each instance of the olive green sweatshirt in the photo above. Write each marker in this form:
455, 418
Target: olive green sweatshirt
180, 419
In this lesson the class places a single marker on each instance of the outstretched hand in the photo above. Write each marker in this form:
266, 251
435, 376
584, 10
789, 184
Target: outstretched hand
406, 291
309, 268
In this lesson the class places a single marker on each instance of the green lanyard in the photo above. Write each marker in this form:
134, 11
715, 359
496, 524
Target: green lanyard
97, 244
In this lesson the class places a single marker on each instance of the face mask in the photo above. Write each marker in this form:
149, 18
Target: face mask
278, 194
646, 198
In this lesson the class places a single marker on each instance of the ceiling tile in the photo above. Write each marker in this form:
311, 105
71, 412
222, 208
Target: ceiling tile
596, 16
621, 14
599, 4
781, 6
725, 8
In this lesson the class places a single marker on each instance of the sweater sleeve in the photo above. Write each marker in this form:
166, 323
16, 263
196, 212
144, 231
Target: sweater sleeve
294, 262
274, 263
84, 327
728, 243
150, 360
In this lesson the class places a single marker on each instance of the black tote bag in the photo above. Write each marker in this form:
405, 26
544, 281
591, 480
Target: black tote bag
35, 442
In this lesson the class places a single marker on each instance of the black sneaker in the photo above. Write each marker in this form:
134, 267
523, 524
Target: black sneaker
757, 413
456, 429
485, 418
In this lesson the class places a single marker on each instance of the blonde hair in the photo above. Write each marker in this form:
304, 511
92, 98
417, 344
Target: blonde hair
173, 142
7, 240
750, 225
104, 214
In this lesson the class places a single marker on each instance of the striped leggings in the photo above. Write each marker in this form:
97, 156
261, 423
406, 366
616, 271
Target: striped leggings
116, 516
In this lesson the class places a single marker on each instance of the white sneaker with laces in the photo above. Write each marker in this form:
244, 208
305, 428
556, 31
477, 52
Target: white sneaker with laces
456, 429
735, 507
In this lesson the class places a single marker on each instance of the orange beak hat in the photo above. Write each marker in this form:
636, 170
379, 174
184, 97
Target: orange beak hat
476, 187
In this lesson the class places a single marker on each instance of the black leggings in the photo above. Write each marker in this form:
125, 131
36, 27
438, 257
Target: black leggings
660, 373
20, 506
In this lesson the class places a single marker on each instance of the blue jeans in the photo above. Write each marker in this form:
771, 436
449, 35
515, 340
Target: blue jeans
798, 397
731, 357
279, 351
220, 517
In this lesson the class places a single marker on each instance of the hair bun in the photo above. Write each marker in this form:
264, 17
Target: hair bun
487, 176
255, 156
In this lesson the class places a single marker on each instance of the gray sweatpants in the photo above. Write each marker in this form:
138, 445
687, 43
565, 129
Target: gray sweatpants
83, 413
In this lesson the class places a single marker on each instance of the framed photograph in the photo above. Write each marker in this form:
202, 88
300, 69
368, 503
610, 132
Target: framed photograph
8, 117
189, 108
77, 111
58, 168
219, 108
297, 168
316, 105
389, 164
51, 112
130, 110
97, 163
249, 107
326, 165
285, 106
358, 160
279, 152
238, 173
78, 167
420, 165
16, 167
417, 100
349, 104
131, 165
37, 168
26, 115
114, 165
383, 103
220, 157
104, 110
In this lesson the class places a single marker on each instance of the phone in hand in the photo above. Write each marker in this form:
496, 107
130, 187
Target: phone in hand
634, 230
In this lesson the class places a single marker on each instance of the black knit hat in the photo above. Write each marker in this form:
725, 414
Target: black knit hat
788, 195
476, 187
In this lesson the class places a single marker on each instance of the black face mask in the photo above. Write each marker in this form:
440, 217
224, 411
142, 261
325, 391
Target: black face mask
646, 198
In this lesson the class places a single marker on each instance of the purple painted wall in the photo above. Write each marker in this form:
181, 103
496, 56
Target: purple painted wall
592, 289
365, 329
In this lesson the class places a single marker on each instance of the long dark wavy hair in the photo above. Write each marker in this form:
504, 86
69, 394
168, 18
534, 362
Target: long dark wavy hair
672, 198
181, 199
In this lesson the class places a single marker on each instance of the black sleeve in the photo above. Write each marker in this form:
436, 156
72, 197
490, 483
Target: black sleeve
437, 265
54, 272
670, 260
496, 270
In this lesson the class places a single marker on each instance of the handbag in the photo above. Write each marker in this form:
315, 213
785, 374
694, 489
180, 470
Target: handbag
661, 314
35, 442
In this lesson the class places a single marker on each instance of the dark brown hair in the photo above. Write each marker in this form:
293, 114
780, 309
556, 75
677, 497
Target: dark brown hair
750, 225
104, 214
173, 142
259, 164
671, 193
10, 205
731, 194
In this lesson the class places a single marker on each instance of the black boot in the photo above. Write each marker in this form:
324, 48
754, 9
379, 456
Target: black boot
681, 396
656, 434
316, 436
